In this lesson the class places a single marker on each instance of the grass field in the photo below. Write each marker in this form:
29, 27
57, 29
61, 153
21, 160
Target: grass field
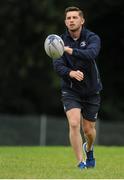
58, 163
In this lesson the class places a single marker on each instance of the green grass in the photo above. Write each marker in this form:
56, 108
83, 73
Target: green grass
58, 163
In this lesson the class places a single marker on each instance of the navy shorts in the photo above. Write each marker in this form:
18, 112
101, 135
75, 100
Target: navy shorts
89, 105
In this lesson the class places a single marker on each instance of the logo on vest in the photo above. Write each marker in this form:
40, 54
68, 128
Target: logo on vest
83, 43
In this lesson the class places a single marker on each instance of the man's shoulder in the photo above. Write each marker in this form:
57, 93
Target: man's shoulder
64, 35
88, 33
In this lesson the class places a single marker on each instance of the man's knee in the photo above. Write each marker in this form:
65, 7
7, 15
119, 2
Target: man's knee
74, 122
88, 128
74, 118
87, 131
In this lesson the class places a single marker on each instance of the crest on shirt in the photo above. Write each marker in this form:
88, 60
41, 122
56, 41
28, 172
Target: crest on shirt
83, 44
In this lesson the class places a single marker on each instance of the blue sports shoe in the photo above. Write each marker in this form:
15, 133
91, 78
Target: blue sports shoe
90, 160
81, 165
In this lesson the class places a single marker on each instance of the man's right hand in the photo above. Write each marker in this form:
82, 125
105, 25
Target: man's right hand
78, 75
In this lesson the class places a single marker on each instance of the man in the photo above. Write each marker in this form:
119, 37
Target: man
80, 84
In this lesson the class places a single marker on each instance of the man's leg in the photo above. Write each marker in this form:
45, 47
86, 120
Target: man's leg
74, 117
89, 132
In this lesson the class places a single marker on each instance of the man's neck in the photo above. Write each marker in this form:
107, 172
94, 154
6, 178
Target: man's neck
75, 34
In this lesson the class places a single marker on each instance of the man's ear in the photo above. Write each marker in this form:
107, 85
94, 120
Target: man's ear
65, 22
83, 21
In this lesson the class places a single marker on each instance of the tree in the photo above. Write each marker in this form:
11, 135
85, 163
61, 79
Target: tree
28, 83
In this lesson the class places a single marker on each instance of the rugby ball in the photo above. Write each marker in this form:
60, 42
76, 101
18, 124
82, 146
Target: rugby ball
54, 46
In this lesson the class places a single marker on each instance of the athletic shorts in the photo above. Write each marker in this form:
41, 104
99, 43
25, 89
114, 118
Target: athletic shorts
89, 105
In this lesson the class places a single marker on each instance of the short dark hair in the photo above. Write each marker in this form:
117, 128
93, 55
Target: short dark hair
73, 8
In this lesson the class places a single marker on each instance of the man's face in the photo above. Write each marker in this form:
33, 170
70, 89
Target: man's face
73, 21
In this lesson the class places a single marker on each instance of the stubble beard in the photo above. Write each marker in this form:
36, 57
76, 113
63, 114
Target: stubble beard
75, 29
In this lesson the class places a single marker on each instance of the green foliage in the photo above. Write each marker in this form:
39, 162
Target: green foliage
27, 79
58, 163
26, 71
